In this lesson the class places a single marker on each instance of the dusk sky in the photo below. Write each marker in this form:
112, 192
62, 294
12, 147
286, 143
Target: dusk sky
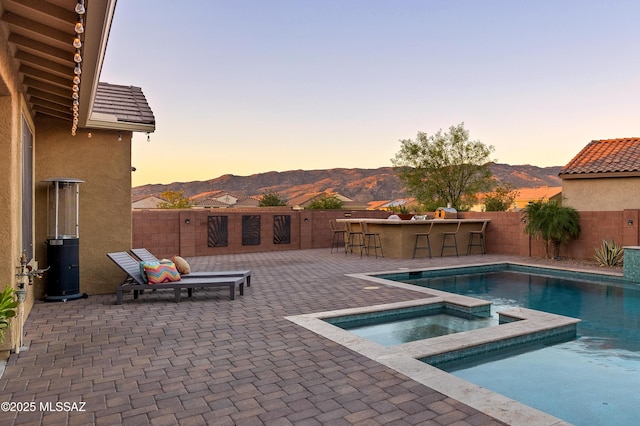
245, 87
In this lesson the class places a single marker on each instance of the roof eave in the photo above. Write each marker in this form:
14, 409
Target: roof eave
111, 122
98, 26
598, 175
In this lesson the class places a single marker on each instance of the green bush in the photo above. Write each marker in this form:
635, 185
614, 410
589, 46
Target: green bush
326, 203
8, 305
271, 199
609, 254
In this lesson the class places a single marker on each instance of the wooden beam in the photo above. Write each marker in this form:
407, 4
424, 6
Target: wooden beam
50, 105
42, 48
53, 113
39, 28
65, 101
48, 77
49, 10
65, 70
46, 87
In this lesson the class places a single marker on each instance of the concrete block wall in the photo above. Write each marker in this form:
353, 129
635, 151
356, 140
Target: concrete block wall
185, 232
505, 234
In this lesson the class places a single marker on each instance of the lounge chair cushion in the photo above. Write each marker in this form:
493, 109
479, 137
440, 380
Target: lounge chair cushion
182, 265
158, 273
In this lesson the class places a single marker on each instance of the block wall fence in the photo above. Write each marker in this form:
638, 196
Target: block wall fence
189, 232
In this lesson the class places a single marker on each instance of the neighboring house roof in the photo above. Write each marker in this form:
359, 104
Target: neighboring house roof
375, 205
220, 198
248, 202
398, 202
605, 157
539, 193
208, 202
306, 199
125, 103
146, 201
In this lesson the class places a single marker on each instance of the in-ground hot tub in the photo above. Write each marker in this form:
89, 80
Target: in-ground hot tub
398, 326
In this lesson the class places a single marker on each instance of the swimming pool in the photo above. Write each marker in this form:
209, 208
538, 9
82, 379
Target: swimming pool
589, 381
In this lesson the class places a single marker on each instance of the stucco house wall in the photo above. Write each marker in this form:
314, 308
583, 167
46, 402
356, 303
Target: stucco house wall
601, 194
104, 164
604, 176
11, 106
32, 91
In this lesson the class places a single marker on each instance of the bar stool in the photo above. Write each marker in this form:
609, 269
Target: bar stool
353, 238
480, 243
371, 240
446, 235
419, 235
338, 235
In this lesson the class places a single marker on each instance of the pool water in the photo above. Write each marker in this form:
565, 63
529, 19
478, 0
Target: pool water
395, 332
593, 380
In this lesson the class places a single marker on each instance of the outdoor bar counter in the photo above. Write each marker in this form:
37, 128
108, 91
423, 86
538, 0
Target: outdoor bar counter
398, 237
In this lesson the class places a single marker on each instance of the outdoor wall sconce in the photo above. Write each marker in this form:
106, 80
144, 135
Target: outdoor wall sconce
187, 221
119, 136
630, 222
523, 220
306, 219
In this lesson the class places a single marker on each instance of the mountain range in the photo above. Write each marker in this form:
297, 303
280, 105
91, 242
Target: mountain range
358, 184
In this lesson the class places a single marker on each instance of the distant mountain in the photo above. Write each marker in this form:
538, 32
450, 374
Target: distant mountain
359, 184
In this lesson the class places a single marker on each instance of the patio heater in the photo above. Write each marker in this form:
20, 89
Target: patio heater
63, 250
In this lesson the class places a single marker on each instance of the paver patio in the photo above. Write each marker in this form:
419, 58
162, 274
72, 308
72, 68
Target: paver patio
210, 360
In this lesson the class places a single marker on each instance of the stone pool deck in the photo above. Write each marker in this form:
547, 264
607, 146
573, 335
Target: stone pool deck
209, 360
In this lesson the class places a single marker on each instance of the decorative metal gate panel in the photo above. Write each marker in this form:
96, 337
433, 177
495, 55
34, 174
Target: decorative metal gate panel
218, 231
282, 229
251, 230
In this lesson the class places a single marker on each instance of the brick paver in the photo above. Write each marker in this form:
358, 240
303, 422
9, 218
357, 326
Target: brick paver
209, 360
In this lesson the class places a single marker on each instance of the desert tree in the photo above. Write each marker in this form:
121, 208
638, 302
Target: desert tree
174, 200
501, 198
271, 199
445, 168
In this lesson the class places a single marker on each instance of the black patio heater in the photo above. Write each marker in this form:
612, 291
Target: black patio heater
63, 249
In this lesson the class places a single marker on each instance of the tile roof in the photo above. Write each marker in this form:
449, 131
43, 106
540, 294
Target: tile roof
374, 205
606, 156
305, 198
398, 202
539, 193
127, 103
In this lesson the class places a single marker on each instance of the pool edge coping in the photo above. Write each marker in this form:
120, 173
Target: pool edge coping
484, 400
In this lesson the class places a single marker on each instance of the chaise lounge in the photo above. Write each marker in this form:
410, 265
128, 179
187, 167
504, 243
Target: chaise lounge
146, 256
135, 282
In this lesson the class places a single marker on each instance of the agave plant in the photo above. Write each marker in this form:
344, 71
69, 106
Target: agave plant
609, 254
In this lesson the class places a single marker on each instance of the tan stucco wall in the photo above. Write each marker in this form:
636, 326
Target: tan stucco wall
11, 108
606, 194
104, 163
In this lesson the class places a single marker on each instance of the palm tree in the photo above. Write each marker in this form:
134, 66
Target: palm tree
552, 223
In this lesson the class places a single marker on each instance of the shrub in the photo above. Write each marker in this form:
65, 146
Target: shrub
609, 254
271, 199
8, 305
326, 203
